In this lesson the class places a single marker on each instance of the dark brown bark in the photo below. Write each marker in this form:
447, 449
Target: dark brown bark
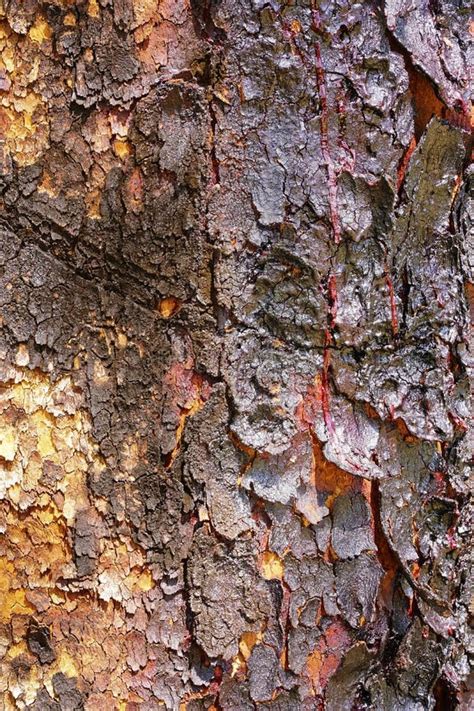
235, 425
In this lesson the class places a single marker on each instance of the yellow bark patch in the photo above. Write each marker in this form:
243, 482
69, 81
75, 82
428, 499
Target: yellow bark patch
144, 10
272, 566
93, 204
122, 340
25, 127
93, 9
67, 665
122, 148
42, 426
142, 581
40, 32
248, 642
12, 600
23, 110
168, 306
8, 443
43, 495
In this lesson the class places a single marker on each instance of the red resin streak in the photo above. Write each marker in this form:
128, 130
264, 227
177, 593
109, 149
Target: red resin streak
402, 168
393, 305
325, 377
328, 421
324, 121
335, 222
332, 178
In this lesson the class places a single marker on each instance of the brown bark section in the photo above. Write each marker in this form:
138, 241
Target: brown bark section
235, 426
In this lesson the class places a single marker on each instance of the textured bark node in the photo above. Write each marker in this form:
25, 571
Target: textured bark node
235, 428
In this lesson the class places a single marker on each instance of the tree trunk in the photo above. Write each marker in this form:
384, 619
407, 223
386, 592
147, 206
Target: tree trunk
234, 433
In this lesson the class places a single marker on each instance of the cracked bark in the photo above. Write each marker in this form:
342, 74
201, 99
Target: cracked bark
234, 388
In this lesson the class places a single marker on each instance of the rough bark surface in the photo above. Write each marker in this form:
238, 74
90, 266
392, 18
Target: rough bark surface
234, 418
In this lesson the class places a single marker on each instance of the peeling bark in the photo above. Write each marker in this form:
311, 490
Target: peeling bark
235, 427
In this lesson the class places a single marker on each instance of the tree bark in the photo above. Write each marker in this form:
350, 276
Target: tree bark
234, 406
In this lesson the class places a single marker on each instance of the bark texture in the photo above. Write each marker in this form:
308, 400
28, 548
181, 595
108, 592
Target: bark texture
234, 383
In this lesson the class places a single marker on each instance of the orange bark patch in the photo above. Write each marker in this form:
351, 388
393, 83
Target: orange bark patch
186, 393
161, 40
169, 306
426, 103
238, 444
328, 477
384, 553
311, 404
325, 659
134, 190
246, 644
